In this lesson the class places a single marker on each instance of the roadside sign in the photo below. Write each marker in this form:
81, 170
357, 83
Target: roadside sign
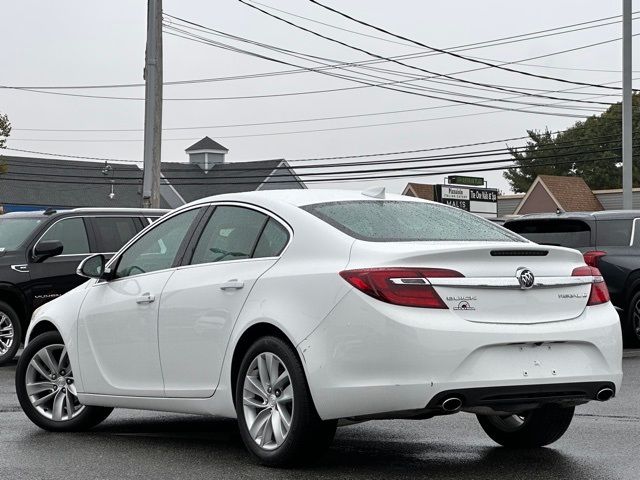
482, 201
465, 180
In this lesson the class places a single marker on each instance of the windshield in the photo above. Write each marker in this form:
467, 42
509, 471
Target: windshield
406, 221
14, 231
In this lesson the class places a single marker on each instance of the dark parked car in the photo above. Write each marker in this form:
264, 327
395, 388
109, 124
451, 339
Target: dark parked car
608, 240
39, 254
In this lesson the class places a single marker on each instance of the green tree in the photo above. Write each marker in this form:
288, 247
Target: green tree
591, 149
5, 130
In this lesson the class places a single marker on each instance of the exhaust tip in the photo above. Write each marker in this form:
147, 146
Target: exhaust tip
604, 394
452, 404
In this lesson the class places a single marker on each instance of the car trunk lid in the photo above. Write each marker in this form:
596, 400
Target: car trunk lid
490, 290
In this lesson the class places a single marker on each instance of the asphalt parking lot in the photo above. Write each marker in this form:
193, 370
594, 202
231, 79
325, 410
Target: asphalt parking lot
602, 443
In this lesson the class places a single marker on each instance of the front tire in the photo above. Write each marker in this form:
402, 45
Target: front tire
46, 389
278, 421
535, 428
10, 333
631, 323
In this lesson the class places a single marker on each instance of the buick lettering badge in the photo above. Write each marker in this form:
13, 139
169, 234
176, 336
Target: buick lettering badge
525, 278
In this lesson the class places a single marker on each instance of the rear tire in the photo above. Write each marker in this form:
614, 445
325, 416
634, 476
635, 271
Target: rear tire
46, 389
631, 323
10, 333
535, 428
278, 421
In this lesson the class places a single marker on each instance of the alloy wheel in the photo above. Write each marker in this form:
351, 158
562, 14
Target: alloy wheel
267, 400
6, 333
636, 319
50, 384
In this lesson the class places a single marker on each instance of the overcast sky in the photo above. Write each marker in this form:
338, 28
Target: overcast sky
95, 43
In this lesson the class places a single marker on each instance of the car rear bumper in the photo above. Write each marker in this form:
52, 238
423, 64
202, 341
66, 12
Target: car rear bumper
370, 358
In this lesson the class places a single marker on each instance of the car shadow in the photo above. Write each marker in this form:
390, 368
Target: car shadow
215, 443
10, 365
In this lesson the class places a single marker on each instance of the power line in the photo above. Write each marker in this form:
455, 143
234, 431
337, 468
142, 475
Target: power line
382, 85
244, 97
589, 22
234, 125
453, 54
548, 33
453, 156
347, 179
186, 180
317, 130
296, 132
464, 47
436, 74
448, 147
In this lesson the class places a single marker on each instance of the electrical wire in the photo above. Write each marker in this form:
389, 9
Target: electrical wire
347, 179
589, 22
436, 74
374, 154
447, 52
464, 47
452, 156
242, 175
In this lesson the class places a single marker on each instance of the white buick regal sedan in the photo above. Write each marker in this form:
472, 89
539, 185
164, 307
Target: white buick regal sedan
296, 311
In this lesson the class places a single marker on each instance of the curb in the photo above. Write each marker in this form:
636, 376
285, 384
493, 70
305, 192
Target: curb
631, 353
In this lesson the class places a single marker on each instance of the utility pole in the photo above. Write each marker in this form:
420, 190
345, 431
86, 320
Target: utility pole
627, 149
152, 106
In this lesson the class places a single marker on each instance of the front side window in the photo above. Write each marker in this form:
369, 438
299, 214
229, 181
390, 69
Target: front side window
72, 233
230, 234
407, 221
14, 231
113, 232
157, 249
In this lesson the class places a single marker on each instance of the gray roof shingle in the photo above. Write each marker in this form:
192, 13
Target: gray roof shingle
193, 183
206, 144
67, 183
71, 183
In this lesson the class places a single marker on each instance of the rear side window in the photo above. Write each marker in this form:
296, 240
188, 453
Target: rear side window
113, 232
406, 221
613, 233
72, 233
272, 241
230, 234
564, 233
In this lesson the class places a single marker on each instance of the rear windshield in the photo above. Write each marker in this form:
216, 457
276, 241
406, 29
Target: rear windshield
564, 233
14, 231
405, 221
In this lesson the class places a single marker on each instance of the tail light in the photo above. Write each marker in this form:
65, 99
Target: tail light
599, 292
409, 287
592, 257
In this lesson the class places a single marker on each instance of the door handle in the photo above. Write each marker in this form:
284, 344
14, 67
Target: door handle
232, 285
145, 298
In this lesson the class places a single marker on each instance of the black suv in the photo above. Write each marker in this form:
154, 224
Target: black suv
608, 240
39, 254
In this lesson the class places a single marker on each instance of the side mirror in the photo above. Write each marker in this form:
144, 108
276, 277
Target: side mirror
92, 267
46, 249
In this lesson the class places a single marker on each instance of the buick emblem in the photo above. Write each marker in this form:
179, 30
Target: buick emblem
525, 278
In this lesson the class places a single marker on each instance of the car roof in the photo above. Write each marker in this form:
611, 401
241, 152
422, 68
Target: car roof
601, 215
97, 210
300, 197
